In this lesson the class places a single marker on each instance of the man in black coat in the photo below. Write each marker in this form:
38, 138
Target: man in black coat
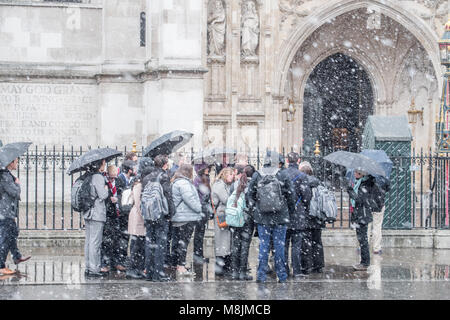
115, 237
9, 206
302, 196
311, 252
365, 198
157, 241
272, 223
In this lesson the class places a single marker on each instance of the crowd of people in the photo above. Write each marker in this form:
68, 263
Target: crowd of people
274, 202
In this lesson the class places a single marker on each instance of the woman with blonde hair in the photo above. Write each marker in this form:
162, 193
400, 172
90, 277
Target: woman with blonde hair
222, 236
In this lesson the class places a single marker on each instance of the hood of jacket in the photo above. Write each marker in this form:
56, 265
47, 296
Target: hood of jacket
313, 182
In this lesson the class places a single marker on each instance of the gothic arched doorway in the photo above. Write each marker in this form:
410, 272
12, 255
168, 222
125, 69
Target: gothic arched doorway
338, 99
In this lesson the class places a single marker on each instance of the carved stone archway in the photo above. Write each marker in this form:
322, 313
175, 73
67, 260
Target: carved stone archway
383, 83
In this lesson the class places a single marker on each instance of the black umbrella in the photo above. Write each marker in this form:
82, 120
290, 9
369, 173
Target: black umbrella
82, 162
11, 151
168, 143
356, 161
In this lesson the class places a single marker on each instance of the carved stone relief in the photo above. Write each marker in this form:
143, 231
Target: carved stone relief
216, 28
249, 29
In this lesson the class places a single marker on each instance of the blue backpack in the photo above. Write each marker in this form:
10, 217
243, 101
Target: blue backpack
234, 216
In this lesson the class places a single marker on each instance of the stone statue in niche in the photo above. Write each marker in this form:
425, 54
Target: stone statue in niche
250, 29
216, 28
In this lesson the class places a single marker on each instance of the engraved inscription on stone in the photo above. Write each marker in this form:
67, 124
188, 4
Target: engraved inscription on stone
48, 113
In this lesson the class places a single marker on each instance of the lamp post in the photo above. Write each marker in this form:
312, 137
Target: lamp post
413, 113
442, 125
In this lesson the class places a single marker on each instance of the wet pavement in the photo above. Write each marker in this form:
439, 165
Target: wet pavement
396, 274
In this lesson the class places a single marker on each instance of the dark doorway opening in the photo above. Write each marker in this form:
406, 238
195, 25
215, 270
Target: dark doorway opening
337, 101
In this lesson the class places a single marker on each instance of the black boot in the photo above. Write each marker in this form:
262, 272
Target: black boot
244, 276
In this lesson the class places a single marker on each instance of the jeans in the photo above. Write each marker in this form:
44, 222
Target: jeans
240, 246
312, 257
278, 233
137, 253
8, 240
155, 247
361, 235
183, 235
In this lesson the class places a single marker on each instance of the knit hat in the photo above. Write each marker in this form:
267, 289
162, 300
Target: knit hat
199, 167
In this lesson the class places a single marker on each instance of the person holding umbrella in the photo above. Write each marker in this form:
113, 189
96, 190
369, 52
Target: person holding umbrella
364, 195
94, 220
9, 205
92, 207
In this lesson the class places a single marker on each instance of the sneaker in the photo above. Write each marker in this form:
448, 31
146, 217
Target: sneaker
360, 267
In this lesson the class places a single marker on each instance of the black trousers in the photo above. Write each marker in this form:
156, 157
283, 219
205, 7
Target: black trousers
137, 252
312, 257
155, 248
199, 235
181, 237
240, 246
294, 240
361, 235
115, 241
9, 232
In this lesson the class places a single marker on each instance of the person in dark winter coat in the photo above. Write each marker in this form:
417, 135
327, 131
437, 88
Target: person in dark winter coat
293, 233
202, 184
9, 206
157, 231
311, 252
364, 197
272, 224
115, 238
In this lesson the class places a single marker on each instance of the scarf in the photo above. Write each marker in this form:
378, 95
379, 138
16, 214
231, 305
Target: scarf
356, 187
113, 189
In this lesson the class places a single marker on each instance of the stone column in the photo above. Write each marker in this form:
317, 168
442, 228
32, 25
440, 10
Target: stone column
173, 79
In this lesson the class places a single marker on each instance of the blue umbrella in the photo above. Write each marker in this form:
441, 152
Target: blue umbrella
382, 159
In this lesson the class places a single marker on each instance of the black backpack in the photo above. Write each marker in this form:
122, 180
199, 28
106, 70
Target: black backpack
270, 198
82, 199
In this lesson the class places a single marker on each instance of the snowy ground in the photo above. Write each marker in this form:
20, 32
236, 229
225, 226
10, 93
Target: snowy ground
397, 274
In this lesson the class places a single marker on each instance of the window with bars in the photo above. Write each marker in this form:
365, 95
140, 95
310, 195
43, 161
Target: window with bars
142, 24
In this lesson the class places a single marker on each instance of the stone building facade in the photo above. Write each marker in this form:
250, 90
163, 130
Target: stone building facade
109, 72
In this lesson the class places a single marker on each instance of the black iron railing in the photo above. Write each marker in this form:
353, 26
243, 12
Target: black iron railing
418, 199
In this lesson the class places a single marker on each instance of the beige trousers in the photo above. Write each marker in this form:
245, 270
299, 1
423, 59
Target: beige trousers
375, 229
